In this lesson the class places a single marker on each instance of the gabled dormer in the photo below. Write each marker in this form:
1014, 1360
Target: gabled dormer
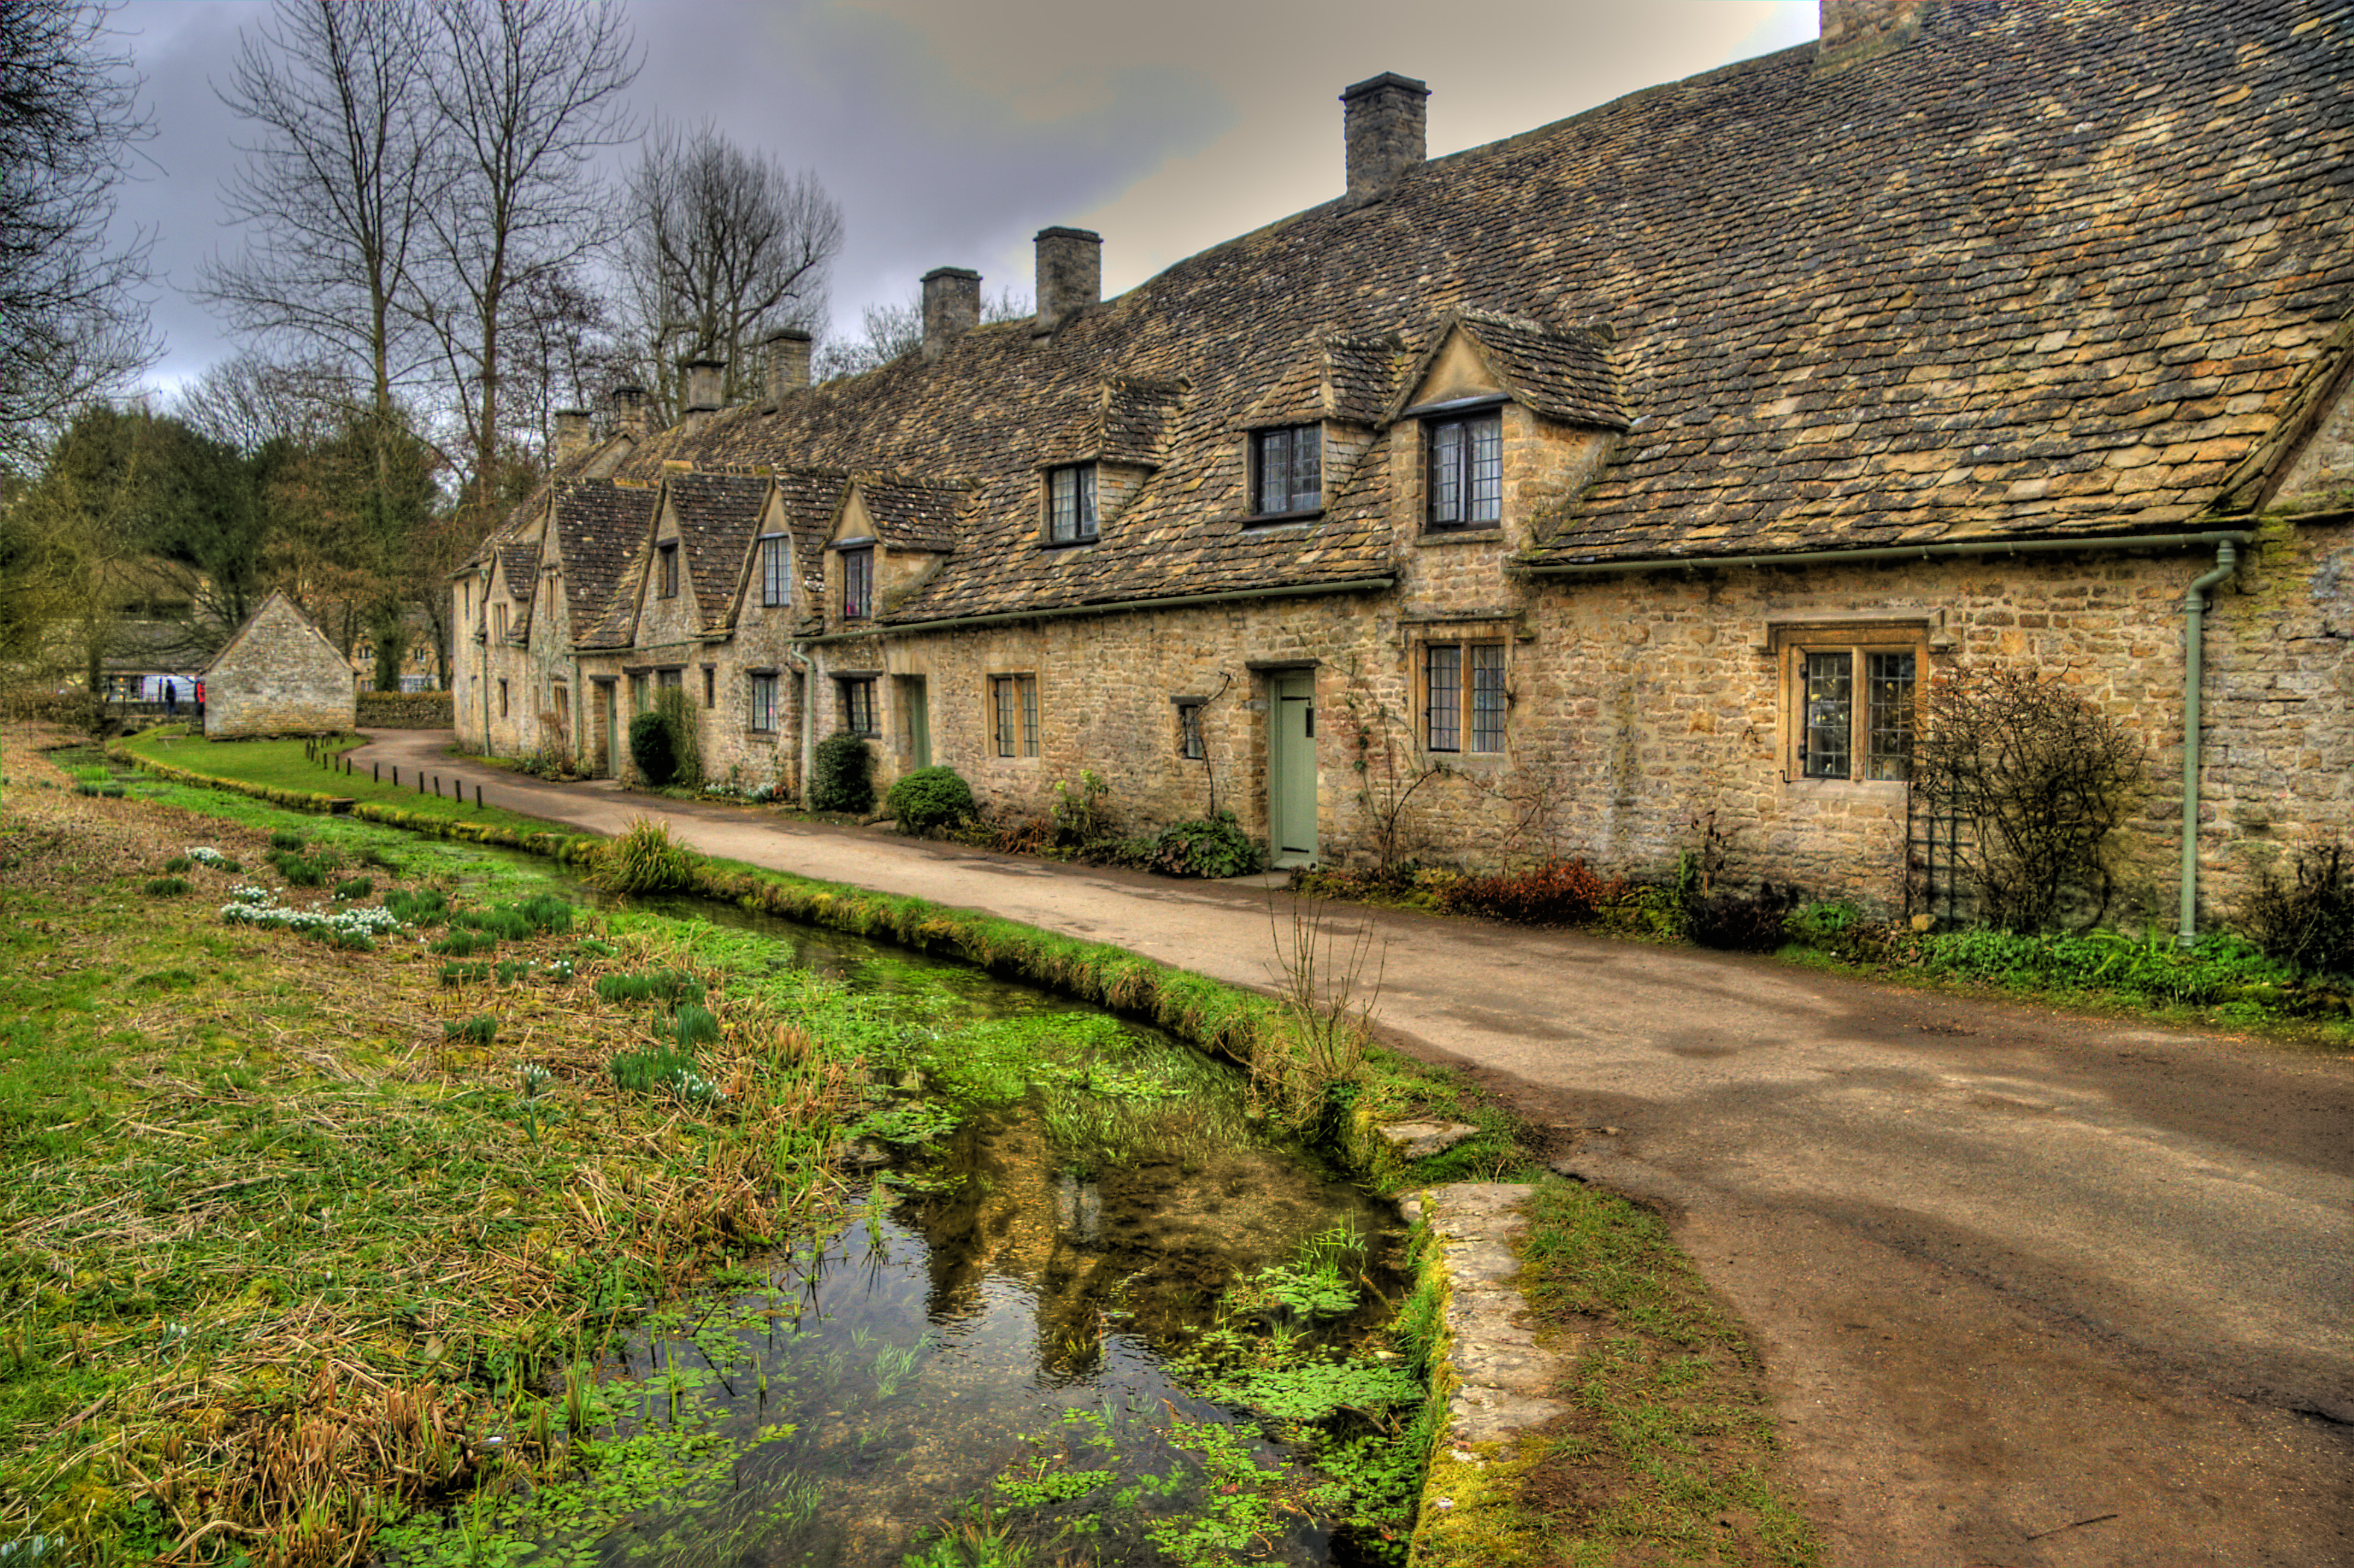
1499, 421
889, 536
1300, 441
1089, 475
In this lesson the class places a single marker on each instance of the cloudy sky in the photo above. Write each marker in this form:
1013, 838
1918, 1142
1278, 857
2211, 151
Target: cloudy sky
951, 130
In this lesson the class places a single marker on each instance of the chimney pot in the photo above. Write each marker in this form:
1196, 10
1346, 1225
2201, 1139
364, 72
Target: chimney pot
951, 307
572, 435
1070, 274
705, 378
789, 361
1382, 124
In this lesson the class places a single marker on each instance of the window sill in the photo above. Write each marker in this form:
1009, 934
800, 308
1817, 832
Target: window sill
1069, 544
1892, 787
1485, 534
1277, 519
1468, 761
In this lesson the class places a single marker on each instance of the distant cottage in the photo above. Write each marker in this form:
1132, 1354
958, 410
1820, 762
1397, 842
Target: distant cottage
1644, 466
279, 674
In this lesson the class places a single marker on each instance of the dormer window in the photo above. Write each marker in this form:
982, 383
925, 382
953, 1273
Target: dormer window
1467, 469
858, 583
666, 570
775, 560
1071, 504
1287, 470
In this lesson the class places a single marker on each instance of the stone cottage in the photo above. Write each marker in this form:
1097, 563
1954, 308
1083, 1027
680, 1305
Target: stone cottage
277, 674
1638, 472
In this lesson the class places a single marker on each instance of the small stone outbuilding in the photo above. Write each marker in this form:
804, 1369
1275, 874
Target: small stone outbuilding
277, 675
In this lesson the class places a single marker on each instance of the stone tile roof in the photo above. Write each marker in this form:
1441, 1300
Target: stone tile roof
810, 499
2048, 270
1565, 376
913, 516
718, 515
603, 530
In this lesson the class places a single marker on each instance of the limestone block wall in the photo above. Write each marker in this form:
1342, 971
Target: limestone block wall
278, 676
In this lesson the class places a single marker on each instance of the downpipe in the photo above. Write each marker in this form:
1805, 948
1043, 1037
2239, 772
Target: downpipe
2194, 620
800, 654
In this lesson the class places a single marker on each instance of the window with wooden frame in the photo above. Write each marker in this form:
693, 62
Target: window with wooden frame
503, 699
666, 570
762, 711
1463, 694
858, 583
499, 621
775, 564
1286, 468
1466, 470
1071, 504
1850, 699
672, 680
710, 687
1189, 730
1013, 715
856, 695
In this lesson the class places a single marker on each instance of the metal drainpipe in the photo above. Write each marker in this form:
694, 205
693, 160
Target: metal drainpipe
2194, 616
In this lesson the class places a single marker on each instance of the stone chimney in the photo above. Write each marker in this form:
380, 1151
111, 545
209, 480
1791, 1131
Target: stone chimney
1382, 128
1854, 31
629, 405
951, 307
789, 361
1070, 274
702, 381
572, 434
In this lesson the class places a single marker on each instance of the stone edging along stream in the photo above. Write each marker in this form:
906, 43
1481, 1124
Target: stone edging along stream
1488, 1378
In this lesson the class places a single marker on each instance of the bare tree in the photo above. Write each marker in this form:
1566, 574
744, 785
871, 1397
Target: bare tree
565, 353
335, 190
894, 332
530, 91
73, 323
721, 248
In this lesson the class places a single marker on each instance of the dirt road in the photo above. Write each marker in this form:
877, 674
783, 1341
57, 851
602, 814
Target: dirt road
2032, 1288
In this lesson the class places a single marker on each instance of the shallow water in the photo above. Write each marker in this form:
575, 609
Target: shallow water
1066, 1196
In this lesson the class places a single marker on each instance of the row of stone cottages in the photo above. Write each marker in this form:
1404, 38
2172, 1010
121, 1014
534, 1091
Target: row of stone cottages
1567, 489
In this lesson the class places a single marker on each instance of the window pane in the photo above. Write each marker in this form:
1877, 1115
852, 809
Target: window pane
772, 571
764, 701
1086, 485
1189, 730
1273, 473
1308, 468
1446, 473
1029, 686
1888, 715
1062, 504
1487, 469
1488, 696
1001, 696
1830, 715
1443, 715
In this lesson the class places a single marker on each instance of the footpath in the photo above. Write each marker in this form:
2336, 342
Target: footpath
2031, 1288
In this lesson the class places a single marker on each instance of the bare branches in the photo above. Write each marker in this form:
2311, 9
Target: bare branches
722, 247
72, 322
2041, 778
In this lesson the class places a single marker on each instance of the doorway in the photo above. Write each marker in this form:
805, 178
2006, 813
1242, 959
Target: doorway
1291, 768
914, 721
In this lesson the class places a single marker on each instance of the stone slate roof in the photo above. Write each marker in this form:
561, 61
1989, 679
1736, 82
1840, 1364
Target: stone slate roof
915, 516
603, 530
811, 501
1565, 376
2049, 270
718, 515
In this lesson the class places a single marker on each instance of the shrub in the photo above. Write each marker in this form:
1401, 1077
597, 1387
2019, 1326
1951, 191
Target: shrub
646, 858
651, 749
1549, 893
929, 799
2307, 921
838, 779
1205, 846
1740, 923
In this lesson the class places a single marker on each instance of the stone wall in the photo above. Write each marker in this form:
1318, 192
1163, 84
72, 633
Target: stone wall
406, 710
278, 676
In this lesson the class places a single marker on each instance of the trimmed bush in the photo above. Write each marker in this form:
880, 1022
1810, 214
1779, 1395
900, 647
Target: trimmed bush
840, 781
651, 750
929, 799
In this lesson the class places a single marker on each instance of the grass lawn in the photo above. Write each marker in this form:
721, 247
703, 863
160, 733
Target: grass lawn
285, 765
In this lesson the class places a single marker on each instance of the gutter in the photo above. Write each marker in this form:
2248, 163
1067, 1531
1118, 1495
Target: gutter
1126, 607
2194, 617
1896, 553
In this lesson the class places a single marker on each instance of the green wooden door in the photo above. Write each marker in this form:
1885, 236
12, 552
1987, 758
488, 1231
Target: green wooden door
1291, 768
915, 721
